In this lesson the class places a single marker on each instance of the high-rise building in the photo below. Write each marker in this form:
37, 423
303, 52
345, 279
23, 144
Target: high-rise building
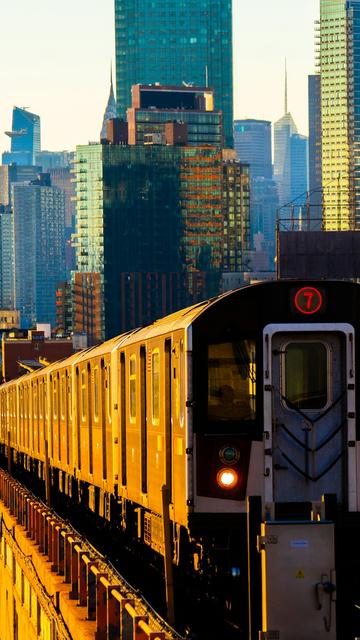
315, 174
340, 112
14, 173
7, 259
252, 141
54, 159
283, 130
25, 138
264, 207
298, 168
236, 212
174, 115
63, 179
39, 249
154, 210
174, 42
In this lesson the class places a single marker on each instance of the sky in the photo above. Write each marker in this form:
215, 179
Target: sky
55, 59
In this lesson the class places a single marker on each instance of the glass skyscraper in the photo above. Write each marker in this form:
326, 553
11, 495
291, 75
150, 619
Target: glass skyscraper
152, 209
340, 112
39, 249
252, 141
25, 138
173, 42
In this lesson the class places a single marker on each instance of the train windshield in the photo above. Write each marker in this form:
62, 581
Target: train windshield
306, 375
231, 381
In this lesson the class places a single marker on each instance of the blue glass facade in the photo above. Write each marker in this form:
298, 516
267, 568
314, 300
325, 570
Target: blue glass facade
25, 138
175, 41
252, 141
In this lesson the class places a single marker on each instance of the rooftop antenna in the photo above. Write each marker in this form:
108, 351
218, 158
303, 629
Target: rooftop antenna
286, 88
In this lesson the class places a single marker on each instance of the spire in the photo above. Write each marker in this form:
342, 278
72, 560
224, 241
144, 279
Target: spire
286, 88
111, 79
110, 110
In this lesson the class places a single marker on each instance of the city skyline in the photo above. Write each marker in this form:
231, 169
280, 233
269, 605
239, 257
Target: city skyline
75, 96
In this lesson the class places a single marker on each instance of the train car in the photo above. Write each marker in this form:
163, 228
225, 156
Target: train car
238, 417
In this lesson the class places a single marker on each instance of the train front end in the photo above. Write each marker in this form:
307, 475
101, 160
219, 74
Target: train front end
273, 416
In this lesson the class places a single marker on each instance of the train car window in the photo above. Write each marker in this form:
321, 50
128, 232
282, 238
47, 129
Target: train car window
155, 386
232, 381
77, 415
108, 391
83, 395
90, 418
182, 383
132, 387
41, 398
123, 418
62, 396
69, 395
103, 390
306, 375
34, 390
55, 398
96, 393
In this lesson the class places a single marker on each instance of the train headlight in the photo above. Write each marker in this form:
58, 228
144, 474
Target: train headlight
229, 454
227, 478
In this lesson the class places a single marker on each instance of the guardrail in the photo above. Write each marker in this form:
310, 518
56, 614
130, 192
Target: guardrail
118, 614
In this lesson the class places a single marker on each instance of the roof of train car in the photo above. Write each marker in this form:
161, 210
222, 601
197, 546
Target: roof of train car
181, 319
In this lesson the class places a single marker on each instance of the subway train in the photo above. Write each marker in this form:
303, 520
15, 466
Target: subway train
223, 437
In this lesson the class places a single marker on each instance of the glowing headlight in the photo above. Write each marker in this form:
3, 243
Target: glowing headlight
227, 478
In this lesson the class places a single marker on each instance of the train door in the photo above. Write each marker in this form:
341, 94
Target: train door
309, 413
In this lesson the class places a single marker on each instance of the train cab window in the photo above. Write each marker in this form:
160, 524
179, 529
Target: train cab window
306, 375
132, 387
232, 381
155, 387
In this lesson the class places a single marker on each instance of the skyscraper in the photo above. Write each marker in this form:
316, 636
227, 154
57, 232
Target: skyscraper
252, 141
39, 249
173, 42
283, 130
152, 209
25, 138
315, 180
298, 168
340, 112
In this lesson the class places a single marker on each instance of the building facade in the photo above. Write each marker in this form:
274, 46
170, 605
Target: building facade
236, 212
24, 136
175, 42
156, 109
15, 173
283, 130
299, 169
39, 249
315, 172
340, 112
252, 142
151, 209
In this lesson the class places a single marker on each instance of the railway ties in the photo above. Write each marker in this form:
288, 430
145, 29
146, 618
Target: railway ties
84, 585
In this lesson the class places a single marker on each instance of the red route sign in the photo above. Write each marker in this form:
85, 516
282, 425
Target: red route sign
308, 300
